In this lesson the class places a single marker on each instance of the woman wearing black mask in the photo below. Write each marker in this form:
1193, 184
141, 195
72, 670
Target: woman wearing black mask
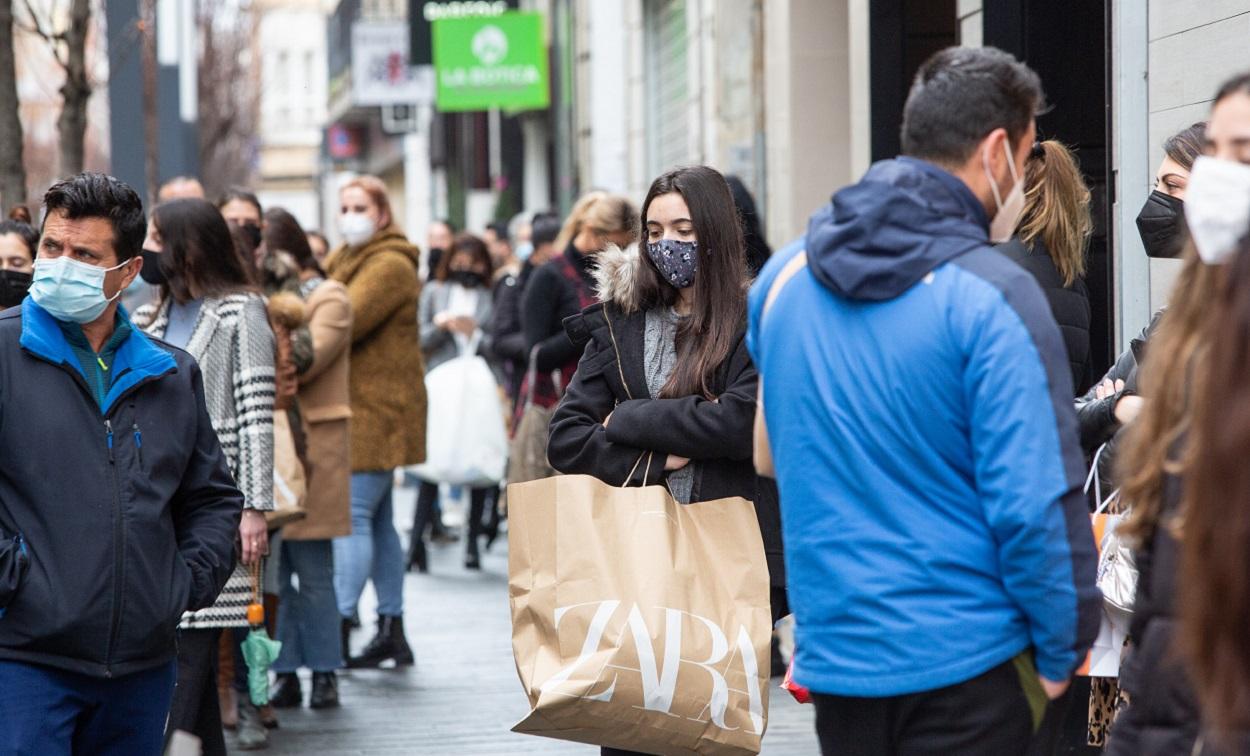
1113, 404
17, 261
1160, 220
455, 308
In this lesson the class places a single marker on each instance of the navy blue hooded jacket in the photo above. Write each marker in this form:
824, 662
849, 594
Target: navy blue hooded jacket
919, 407
127, 506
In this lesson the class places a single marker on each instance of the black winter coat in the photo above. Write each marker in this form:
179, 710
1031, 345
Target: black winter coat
548, 298
1096, 417
506, 335
1163, 715
1069, 305
129, 511
718, 435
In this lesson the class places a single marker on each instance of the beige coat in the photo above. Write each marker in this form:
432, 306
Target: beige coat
388, 374
325, 402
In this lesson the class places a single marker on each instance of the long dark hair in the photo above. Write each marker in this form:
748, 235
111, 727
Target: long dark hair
199, 256
284, 234
709, 335
465, 243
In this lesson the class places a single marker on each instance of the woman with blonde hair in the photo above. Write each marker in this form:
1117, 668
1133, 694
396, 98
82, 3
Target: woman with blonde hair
1050, 244
565, 286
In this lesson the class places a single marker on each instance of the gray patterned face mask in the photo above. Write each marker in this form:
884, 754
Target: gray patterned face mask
677, 261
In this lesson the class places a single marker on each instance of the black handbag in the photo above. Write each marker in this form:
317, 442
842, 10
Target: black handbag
14, 561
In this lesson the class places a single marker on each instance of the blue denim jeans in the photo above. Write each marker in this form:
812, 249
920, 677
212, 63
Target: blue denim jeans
50, 711
372, 550
308, 616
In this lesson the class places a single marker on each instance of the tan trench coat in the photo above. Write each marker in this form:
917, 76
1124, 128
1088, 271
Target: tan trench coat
325, 403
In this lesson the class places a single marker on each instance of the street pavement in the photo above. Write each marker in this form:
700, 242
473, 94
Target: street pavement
463, 696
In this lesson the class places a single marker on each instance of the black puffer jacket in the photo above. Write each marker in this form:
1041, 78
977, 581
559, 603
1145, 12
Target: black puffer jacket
1069, 305
1163, 716
716, 435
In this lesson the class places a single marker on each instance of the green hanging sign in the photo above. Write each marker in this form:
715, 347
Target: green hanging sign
484, 62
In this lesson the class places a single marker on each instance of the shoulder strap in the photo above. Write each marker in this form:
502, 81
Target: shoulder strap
796, 264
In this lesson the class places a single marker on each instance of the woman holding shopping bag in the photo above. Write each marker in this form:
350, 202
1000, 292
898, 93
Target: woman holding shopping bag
455, 309
665, 376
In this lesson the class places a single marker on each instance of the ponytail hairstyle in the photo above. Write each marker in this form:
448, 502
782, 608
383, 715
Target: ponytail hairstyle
1215, 547
1056, 208
708, 337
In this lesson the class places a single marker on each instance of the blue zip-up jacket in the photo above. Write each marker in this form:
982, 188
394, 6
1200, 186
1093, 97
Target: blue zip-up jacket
919, 408
126, 504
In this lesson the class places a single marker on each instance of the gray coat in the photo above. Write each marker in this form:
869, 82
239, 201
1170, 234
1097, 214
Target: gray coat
234, 345
437, 344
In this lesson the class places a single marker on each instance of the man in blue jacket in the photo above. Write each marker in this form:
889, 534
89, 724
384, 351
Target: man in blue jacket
111, 473
918, 399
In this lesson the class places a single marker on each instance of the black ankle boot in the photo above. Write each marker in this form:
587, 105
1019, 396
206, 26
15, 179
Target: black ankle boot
325, 691
285, 692
388, 644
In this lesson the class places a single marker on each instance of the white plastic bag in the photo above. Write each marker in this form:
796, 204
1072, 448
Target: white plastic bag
466, 443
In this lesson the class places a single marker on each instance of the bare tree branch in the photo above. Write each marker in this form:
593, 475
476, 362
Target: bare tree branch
12, 167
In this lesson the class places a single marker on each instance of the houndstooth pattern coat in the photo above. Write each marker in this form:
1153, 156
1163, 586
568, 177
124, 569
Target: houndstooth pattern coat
234, 345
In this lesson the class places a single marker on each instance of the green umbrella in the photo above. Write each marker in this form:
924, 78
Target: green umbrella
260, 651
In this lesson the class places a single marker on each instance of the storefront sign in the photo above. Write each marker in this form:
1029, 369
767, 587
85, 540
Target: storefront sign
381, 74
423, 13
491, 62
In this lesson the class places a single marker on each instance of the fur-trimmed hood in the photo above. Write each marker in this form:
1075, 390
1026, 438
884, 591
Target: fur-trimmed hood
616, 276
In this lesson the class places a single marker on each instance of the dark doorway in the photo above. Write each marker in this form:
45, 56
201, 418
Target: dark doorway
1066, 44
904, 34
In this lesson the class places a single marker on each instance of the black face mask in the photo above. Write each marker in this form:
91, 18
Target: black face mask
467, 278
253, 233
151, 271
13, 287
1161, 224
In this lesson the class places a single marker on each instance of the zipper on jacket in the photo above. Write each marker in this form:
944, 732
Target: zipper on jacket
138, 442
119, 547
616, 348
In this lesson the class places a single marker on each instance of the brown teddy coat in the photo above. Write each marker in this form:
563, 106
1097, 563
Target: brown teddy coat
387, 372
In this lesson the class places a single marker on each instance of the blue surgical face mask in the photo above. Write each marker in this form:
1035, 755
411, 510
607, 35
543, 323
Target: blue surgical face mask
71, 291
524, 250
677, 261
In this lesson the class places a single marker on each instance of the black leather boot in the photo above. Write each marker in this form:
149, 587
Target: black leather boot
389, 644
325, 691
285, 692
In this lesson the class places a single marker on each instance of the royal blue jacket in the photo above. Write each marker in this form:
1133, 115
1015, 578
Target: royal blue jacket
919, 406
126, 505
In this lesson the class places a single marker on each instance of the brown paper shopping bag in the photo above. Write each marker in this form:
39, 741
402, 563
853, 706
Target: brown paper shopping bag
637, 622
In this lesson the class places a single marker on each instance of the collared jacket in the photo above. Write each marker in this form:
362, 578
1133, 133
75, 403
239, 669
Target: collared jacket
611, 378
127, 506
387, 393
918, 400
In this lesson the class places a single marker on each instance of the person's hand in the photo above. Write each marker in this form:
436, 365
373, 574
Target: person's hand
1107, 388
254, 536
444, 321
464, 324
675, 462
1053, 689
1128, 408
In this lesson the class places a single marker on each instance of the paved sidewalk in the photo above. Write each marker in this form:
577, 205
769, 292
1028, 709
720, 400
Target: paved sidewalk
463, 696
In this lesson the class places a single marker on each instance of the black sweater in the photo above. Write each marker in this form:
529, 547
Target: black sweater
548, 298
1069, 305
716, 434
